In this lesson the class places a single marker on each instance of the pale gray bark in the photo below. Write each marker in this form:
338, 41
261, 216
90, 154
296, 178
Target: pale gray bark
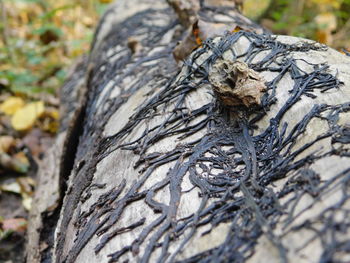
139, 207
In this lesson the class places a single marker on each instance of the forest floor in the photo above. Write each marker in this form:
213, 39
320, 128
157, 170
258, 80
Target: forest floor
41, 38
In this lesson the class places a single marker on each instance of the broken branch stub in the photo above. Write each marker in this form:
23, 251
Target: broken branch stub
186, 10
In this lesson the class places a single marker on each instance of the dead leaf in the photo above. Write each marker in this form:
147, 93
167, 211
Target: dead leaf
49, 36
13, 187
49, 121
18, 163
87, 21
50, 125
6, 142
14, 224
27, 201
51, 112
27, 185
22, 158
23, 186
25, 117
11, 105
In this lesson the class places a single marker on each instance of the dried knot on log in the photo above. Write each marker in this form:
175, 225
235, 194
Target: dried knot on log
235, 84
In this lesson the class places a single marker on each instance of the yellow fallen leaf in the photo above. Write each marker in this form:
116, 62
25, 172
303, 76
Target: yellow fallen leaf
11, 105
25, 117
49, 121
16, 188
54, 114
27, 201
106, 1
88, 21
13, 187
50, 126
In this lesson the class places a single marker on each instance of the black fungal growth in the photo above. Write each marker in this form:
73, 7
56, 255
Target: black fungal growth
233, 166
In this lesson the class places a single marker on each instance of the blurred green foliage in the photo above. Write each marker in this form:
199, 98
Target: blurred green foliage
39, 38
326, 21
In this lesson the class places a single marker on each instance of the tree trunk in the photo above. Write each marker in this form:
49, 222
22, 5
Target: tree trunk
241, 154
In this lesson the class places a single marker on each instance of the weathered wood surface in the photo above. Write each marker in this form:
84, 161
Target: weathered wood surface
164, 173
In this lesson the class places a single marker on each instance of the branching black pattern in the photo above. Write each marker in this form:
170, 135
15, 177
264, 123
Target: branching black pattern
232, 165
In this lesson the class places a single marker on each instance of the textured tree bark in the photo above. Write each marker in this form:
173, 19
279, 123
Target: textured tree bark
153, 165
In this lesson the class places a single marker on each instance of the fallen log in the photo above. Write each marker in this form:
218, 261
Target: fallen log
239, 155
